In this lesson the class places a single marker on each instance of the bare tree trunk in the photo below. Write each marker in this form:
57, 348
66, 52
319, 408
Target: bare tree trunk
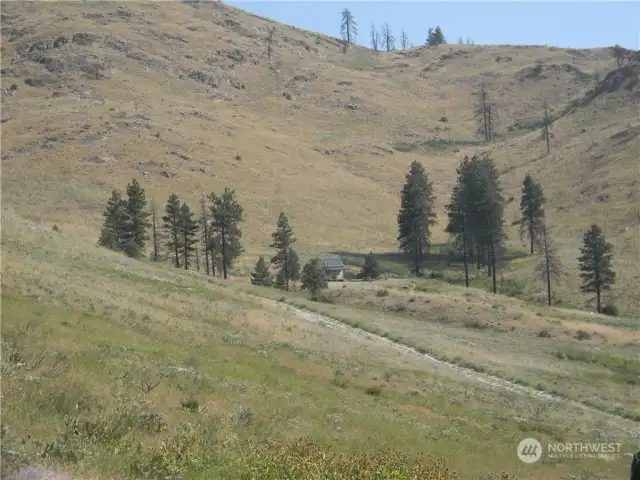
548, 267
464, 254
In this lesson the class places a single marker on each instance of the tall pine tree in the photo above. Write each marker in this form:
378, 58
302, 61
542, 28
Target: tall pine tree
282, 240
188, 227
595, 264
550, 268
313, 279
138, 215
416, 216
531, 210
227, 214
171, 223
113, 233
155, 234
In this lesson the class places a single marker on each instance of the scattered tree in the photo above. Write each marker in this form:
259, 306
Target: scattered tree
313, 278
206, 236
138, 215
155, 234
171, 222
550, 268
348, 27
375, 38
371, 269
260, 274
595, 264
546, 125
476, 213
388, 40
188, 234
620, 54
404, 40
485, 113
435, 37
531, 210
416, 215
227, 214
113, 234
270, 33
282, 240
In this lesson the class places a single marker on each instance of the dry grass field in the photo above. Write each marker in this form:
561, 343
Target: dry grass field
182, 97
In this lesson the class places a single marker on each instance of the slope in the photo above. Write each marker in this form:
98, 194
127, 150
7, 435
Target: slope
182, 96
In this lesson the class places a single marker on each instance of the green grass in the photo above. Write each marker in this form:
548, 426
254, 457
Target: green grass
432, 146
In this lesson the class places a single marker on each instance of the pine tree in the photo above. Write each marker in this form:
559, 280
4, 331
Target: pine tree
595, 264
226, 214
435, 37
155, 234
486, 113
260, 274
138, 215
476, 213
531, 210
375, 38
388, 40
313, 278
370, 269
550, 268
113, 233
416, 215
404, 40
546, 125
348, 27
282, 240
171, 223
294, 267
188, 228
206, 236
270, 33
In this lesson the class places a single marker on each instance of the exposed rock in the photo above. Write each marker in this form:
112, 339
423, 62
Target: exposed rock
83, 38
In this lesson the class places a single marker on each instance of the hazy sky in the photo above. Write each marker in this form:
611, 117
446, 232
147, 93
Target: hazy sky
566, 24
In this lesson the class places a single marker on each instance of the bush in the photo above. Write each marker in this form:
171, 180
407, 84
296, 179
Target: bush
610, 310
373, 391
382, 293
582, 335
544, 333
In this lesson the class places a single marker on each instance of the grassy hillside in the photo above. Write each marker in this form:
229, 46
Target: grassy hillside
182, 96
237, 370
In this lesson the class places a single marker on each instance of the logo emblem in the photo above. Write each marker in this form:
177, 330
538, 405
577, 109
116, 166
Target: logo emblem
529, 450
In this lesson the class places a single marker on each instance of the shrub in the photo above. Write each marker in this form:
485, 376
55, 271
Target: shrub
382, 293
191, 404
610, 310
582, 335
374, 391
544, 333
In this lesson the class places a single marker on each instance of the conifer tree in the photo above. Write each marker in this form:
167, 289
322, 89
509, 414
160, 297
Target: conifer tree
546, 126
138, 215
155, 234
282, 240
113, 233
531, 210
388, 40
206, 236
188, 227
313, 279
370, 269
260, 274
416, 216
375, 38
348, 27
435, 37
226, 214
404, 40
595, 264
171, 223
550, 267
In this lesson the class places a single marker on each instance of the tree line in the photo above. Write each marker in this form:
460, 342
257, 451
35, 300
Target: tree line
475, 221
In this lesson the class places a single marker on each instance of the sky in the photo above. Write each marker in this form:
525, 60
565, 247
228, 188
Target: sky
561, 24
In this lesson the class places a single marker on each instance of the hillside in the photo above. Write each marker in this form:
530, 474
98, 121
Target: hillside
114, 367
182, 96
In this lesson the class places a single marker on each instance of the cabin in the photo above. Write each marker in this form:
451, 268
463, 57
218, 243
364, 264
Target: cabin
333, 268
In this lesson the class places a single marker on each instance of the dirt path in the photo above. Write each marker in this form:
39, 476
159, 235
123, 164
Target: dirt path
625, 424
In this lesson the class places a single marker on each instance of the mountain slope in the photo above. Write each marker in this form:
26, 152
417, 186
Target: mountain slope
182, 96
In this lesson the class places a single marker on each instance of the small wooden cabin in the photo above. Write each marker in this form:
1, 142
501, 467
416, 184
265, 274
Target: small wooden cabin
333, 268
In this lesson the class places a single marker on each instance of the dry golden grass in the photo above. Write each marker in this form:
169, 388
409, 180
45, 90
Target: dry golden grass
149, 111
